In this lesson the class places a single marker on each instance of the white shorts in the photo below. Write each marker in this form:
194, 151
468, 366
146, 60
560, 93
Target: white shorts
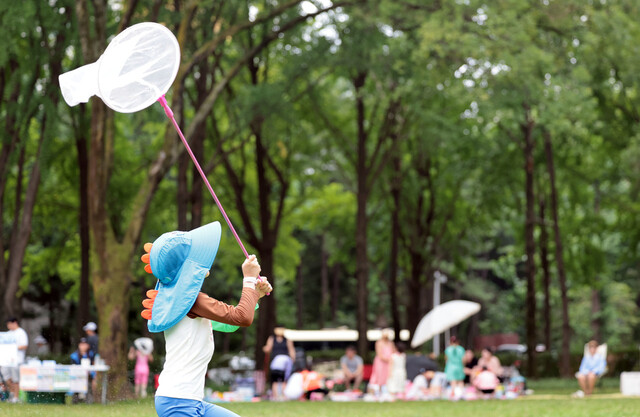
11, 372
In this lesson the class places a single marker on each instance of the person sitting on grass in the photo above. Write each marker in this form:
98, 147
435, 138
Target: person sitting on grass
591, 368
486, 382
427, 385
313, 383
490, 361
352, 367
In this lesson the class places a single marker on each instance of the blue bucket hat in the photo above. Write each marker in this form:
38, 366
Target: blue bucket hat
180, 261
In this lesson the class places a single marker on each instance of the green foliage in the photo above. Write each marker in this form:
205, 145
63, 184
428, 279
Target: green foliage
460, 73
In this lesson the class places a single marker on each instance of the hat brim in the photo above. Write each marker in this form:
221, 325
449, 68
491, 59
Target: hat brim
173, 302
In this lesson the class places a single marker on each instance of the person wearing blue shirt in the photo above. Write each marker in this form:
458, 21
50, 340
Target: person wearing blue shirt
591, 367
84, 352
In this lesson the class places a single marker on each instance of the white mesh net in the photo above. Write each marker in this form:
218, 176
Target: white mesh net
137, 67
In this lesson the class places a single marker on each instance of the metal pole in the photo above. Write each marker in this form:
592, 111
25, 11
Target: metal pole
438, 279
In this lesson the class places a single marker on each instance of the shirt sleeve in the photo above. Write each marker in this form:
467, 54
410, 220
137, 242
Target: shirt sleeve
212, 309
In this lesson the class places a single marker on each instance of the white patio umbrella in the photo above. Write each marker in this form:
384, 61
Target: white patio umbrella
442, 318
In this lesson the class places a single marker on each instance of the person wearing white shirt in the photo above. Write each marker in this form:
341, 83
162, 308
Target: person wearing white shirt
12, 373
181, 261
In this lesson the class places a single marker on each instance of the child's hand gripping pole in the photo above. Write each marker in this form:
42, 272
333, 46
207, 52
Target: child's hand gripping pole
163, 102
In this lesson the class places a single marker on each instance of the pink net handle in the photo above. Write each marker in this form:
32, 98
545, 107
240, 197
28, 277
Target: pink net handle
163, 101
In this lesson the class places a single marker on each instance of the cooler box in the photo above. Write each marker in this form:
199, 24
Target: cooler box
630, 383
34, 397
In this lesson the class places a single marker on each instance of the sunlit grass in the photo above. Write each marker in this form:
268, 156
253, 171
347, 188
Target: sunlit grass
551, 398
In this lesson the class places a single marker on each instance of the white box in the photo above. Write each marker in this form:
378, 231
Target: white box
630, 383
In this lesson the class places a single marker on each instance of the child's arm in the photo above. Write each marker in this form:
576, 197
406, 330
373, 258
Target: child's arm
242, 314
212, 309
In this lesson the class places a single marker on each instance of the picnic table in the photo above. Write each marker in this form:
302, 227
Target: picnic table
64, 379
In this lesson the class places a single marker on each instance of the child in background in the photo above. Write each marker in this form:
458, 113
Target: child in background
397, 370
454, 369
142, 355
380, 370
313, 383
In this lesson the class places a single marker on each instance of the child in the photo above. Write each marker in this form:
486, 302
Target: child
454, 368
181, 261
142, 354
397, 370
313, 382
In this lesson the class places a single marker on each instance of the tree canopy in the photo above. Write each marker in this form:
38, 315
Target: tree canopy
358, 146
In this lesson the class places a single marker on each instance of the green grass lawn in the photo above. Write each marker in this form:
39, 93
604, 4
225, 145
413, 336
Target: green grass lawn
551, 398
558, 386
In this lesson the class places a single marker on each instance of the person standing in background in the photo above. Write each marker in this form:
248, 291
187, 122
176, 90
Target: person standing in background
397, 371
141, 353
11, 374
454, 368
278, 345
92, 338
380, 370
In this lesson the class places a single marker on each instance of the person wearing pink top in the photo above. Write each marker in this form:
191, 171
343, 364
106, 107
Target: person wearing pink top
141, 371
486, 381
380, 369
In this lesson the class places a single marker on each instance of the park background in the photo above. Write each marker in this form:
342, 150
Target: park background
358, 146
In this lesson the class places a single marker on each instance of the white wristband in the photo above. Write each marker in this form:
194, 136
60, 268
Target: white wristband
249, 282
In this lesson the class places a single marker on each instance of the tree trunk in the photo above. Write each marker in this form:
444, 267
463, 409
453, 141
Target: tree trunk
112, 269
267, 311
362, 260
565, 358
189, 193
11, 138
414, 287
83, 164
299, 297
530, 246
267, 320
335, 292
596, 309
324, 283
544, 264
182, 191
395, 236
21, 232
197, 198
596, 305
16, 124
